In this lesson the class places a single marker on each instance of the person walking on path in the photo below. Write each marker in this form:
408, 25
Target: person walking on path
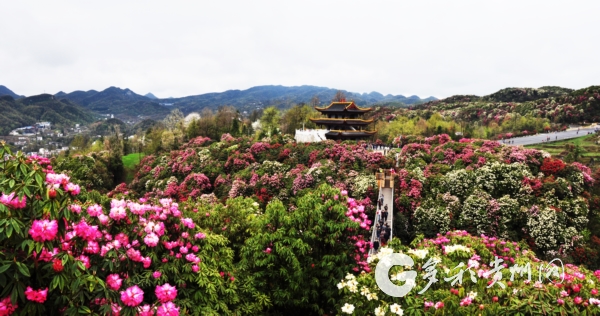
380, 201
384, 214
376, 245
378, 228
382, 239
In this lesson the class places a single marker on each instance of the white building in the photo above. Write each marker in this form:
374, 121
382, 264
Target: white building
310, 135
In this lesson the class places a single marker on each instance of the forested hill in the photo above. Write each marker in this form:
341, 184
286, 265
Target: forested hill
117, 101
6, 91
44, 107
284, 97
559, 105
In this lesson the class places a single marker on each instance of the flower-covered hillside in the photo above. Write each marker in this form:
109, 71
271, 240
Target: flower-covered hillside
241, 167
486, 188
459, 274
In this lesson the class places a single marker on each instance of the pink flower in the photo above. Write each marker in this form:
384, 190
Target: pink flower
145, 310
439, 305
94, 210
117, 213
36, 295
466, 301
12, 201
165, 293
188, 222
268, 250
7, 307
74, 189
151, 240
114, 281
578, 300
43, 230
560, 301
103, 219
167, 309
146, 261
200, 236
594, 291
92, 247
85, 260
75, 208
132, 296
195, 268
156, 274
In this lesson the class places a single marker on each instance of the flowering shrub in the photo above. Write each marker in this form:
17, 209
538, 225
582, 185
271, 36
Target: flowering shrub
459, 274
58, 254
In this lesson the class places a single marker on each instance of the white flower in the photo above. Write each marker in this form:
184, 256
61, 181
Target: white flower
341, 285
594, 301
372, 296
350, 276
472, 295
348, 308
419, 253
364, 291
453, 248
396, 309
379, 311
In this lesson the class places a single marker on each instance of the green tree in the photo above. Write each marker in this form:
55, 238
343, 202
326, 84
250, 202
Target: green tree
270, 119
296, 117
297, 257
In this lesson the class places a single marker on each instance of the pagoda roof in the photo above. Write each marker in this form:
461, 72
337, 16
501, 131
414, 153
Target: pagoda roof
339, 121
343, 107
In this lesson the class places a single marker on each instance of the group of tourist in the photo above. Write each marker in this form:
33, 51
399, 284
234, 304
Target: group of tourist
382, 228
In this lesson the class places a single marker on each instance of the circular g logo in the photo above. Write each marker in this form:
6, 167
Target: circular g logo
382, 271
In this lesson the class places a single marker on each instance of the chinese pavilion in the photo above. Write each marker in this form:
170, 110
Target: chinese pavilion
344, 121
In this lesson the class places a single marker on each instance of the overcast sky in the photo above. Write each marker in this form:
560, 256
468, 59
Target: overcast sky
177, 48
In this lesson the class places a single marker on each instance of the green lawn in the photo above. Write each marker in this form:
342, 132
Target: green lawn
129, 163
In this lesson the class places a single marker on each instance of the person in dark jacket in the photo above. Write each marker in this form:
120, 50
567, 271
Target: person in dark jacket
384, 214
382, 239
376, 245
387, 230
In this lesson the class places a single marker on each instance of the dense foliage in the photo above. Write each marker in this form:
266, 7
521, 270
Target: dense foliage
246, 227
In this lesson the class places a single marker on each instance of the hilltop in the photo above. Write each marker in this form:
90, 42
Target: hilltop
283, 97
6, 91
44, 107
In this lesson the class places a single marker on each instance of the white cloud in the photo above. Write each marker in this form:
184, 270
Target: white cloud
182, 48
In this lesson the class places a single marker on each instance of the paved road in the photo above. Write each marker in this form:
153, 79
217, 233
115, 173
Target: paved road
539, 138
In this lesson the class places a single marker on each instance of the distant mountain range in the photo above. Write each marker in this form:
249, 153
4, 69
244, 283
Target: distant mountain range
44, 107
125, 103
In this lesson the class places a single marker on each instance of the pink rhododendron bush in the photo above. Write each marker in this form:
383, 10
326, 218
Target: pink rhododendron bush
460, 274
242, 167
62, 251
486, 188
67, 251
